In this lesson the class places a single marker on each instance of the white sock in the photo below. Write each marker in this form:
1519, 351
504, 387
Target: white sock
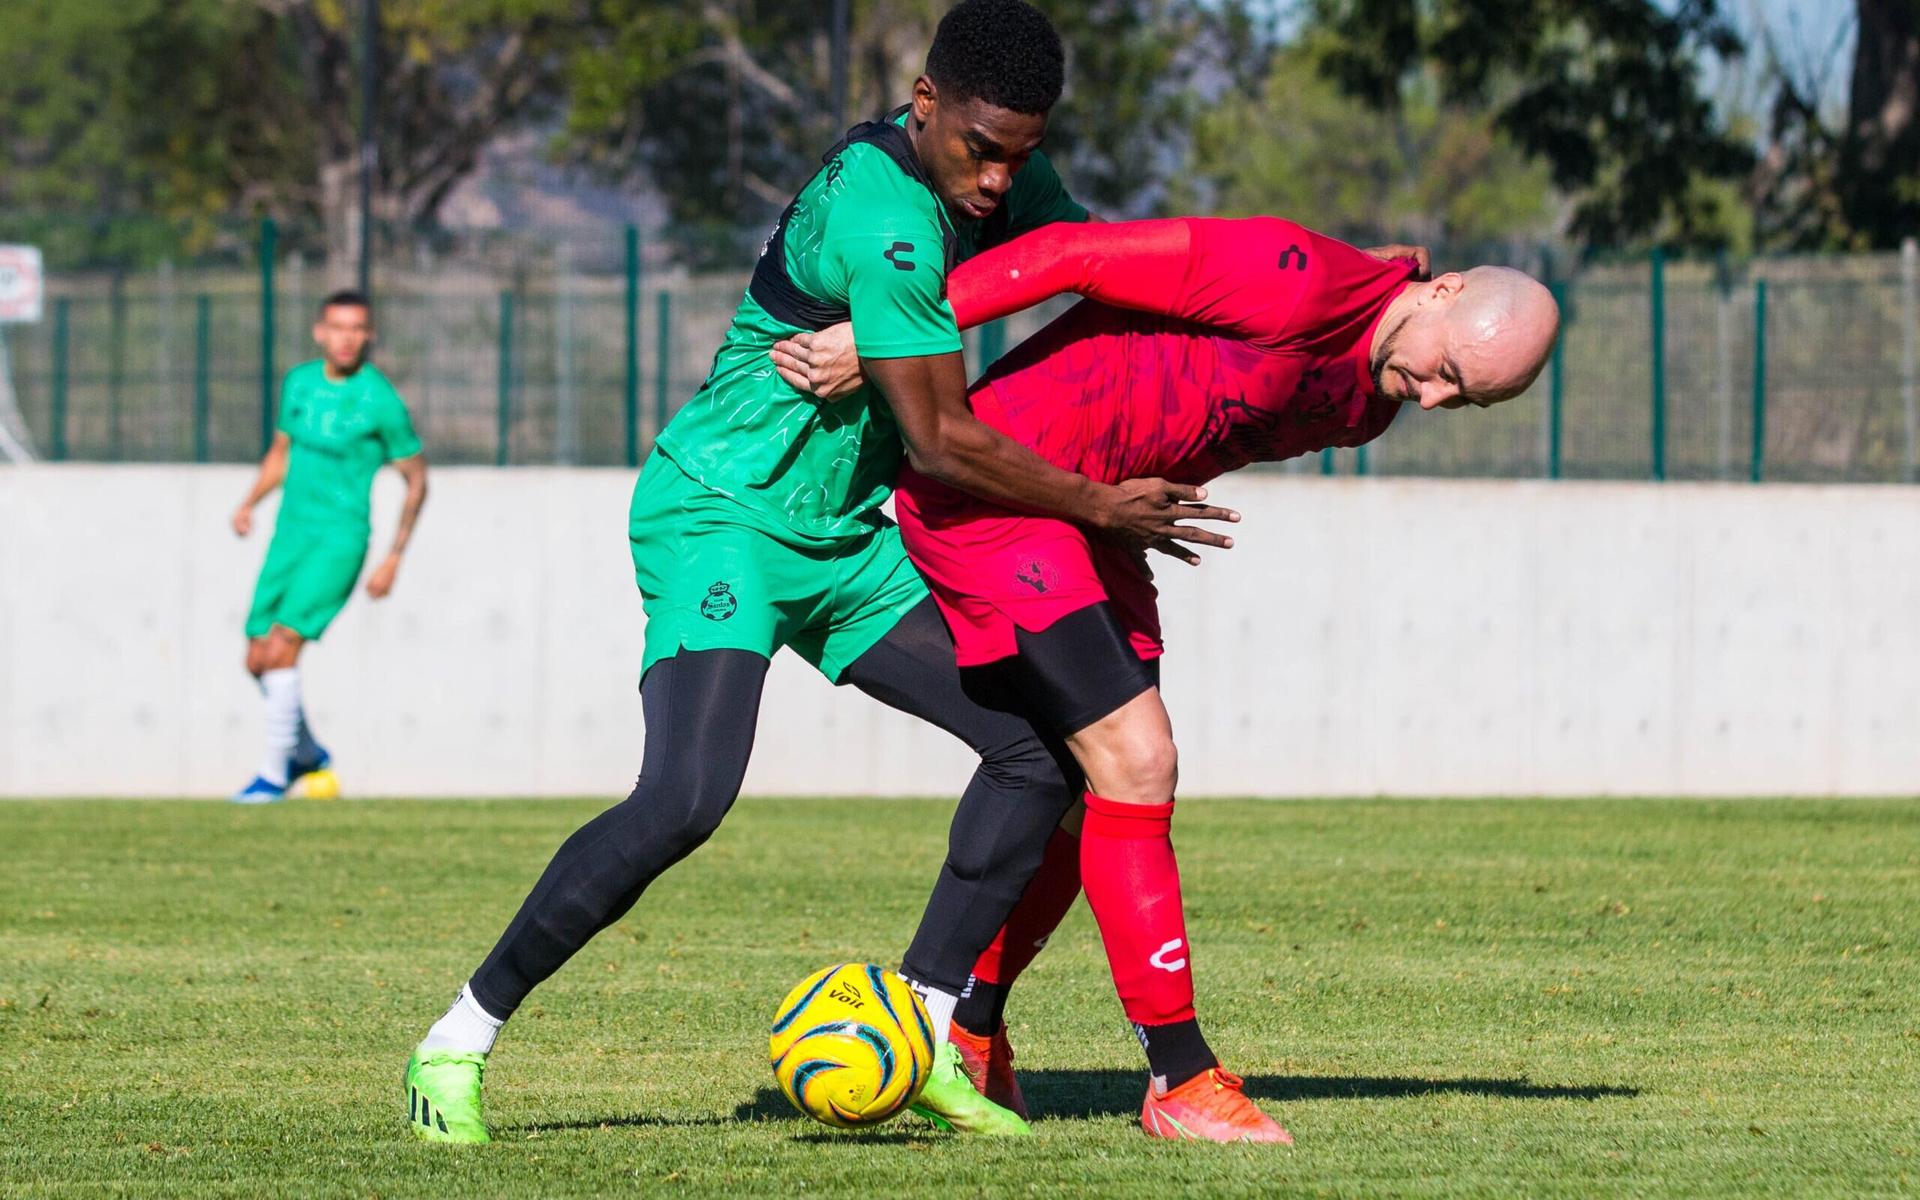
466, 1029
940, 1006
282, 688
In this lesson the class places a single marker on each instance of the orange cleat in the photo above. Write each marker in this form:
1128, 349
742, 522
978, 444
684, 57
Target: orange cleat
1210, 1107
988, 1061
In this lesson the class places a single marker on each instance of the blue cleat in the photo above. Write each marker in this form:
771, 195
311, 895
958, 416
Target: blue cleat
260, 792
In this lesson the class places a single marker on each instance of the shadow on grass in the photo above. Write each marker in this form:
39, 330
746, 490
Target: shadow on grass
767, 1105
1072, 1095
1116, 1093
629, 1121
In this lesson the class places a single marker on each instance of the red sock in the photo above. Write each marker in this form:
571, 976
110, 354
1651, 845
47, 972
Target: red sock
1133, 886
1040, 910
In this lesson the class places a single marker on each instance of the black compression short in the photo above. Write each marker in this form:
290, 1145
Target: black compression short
1068, 675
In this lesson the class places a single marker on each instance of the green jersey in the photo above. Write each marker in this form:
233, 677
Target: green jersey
865, 236
342, 433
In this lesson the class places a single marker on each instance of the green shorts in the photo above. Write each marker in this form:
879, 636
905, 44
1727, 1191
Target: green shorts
304, 582
711, 579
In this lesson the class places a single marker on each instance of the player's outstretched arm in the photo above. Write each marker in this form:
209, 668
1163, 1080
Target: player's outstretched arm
1242, 276
414, 470
825, 364
273, 472
945, 441
1128, 264
1136, 264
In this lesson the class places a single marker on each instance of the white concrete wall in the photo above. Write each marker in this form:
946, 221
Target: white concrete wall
1367, 636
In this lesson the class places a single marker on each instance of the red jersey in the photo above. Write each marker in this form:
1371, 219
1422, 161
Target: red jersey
1237, 341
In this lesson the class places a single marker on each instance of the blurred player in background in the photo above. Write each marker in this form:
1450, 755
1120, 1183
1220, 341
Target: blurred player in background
340, 421
1234, 342
756, 525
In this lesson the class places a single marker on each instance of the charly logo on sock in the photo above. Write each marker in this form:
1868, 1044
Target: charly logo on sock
719, 604
1160, 960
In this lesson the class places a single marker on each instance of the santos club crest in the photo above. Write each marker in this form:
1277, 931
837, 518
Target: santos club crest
719, 604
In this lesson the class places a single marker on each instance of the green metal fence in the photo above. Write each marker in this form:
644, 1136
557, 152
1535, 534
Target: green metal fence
1798, 369
575, 347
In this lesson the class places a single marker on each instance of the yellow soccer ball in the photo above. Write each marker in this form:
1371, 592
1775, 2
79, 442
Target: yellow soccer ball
851, 1045
320, 785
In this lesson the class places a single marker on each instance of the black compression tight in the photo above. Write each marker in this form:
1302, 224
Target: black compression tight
1025, 784
701, 708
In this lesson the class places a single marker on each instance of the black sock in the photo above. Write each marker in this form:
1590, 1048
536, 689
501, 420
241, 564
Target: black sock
1176, 1052
982, 1007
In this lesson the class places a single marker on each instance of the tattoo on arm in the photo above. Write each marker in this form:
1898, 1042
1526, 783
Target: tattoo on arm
273, 469
414, 470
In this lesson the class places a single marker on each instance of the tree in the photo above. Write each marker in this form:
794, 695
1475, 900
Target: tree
1851, 182
725, 107
755, 73
1795, 184
1139, 75
1605, 92
1301, 148
1880, 156
194, 108
146, 108
452, 73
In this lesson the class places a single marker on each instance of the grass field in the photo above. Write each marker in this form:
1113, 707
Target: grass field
1450, 998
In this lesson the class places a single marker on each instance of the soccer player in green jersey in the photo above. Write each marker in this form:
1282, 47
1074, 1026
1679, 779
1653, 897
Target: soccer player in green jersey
340, 420
756, 524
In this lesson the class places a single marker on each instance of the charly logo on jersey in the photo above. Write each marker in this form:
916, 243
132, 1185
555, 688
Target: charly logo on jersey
1036, 573
719, 604
896, 254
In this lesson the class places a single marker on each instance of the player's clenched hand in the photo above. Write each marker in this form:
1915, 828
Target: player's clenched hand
1147, 514
824, 365
1423, 261
381, 581
243, 520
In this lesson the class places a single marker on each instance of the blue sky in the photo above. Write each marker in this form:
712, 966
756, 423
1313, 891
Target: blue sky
1808, 32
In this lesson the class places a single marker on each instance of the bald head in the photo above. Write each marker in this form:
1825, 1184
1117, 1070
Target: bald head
1505, 321
1474, 337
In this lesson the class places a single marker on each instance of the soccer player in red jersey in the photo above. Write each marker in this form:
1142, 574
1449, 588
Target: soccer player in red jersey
1205, 345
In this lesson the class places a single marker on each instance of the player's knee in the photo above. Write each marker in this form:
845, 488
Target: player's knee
983, 862
1148, 770
277, 651
695, 815
646, 833
684, 836
1018, 763
256, 658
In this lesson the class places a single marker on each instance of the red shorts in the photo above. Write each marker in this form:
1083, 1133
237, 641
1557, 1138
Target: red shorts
992, 571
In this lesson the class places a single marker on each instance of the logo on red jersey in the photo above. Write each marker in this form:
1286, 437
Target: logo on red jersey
1287, 258
1038, 574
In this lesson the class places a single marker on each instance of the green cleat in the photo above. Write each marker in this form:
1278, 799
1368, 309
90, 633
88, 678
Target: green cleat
950, 1101
443, 1096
